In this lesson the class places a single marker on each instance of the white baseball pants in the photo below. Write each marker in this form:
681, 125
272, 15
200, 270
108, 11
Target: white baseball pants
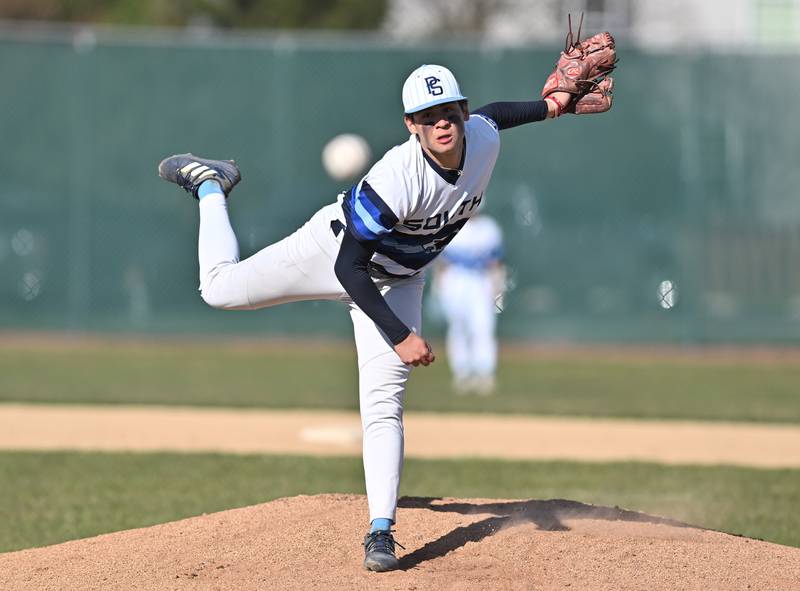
471, 321
300, 267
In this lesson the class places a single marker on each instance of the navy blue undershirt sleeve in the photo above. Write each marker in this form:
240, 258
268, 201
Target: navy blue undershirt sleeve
511, 114
352, 271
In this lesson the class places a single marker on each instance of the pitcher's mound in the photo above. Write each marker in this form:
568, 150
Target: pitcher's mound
314, 542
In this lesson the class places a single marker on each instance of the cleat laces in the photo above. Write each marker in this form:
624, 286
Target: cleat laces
381, 541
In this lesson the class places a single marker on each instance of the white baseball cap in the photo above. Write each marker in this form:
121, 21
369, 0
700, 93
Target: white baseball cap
430, 85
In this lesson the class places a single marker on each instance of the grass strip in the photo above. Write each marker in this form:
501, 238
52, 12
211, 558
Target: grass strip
317, 377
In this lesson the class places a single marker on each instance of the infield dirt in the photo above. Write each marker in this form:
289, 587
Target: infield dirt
428, 435
313, 542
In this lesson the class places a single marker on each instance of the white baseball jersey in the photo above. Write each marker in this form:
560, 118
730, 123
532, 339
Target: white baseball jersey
414, 208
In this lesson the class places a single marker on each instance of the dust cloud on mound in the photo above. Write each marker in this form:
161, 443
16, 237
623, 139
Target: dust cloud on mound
314, 542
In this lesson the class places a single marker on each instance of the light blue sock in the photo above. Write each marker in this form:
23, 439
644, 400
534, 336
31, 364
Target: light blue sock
381, 524
209, 187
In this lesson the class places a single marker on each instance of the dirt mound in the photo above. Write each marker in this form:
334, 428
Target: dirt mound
313, 542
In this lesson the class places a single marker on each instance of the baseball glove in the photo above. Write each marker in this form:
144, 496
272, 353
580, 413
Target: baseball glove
583, 64
598, 100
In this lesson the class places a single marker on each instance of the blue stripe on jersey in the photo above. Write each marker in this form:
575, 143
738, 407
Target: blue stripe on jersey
367, 215
497, 253
471, 260
415, 251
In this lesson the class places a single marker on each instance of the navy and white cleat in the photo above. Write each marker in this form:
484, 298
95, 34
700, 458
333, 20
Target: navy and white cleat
379, 552
189, 171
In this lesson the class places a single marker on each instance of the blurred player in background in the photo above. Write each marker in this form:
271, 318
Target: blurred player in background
369, 249
469, 284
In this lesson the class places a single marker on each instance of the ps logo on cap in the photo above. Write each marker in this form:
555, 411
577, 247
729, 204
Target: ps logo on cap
430, 85
433, 88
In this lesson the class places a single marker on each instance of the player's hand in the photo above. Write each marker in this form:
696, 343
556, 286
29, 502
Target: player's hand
558, 103
414, 350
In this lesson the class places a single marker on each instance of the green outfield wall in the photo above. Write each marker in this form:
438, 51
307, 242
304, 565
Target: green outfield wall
692, 178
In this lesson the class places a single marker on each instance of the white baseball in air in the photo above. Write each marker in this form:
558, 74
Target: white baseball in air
346, 156
667, 294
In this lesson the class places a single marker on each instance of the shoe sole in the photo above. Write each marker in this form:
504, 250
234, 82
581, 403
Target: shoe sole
379, 567
168, 169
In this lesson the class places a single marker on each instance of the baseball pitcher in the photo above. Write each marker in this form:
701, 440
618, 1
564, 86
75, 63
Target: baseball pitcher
369, 249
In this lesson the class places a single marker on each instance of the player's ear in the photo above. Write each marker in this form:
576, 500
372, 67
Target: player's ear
409, 121
465, 109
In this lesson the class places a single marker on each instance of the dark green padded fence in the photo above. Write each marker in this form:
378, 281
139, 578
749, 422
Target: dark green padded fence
692, 178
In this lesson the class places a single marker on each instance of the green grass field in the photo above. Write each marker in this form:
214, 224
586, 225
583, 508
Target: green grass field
52, 497
324, 376
46, 498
